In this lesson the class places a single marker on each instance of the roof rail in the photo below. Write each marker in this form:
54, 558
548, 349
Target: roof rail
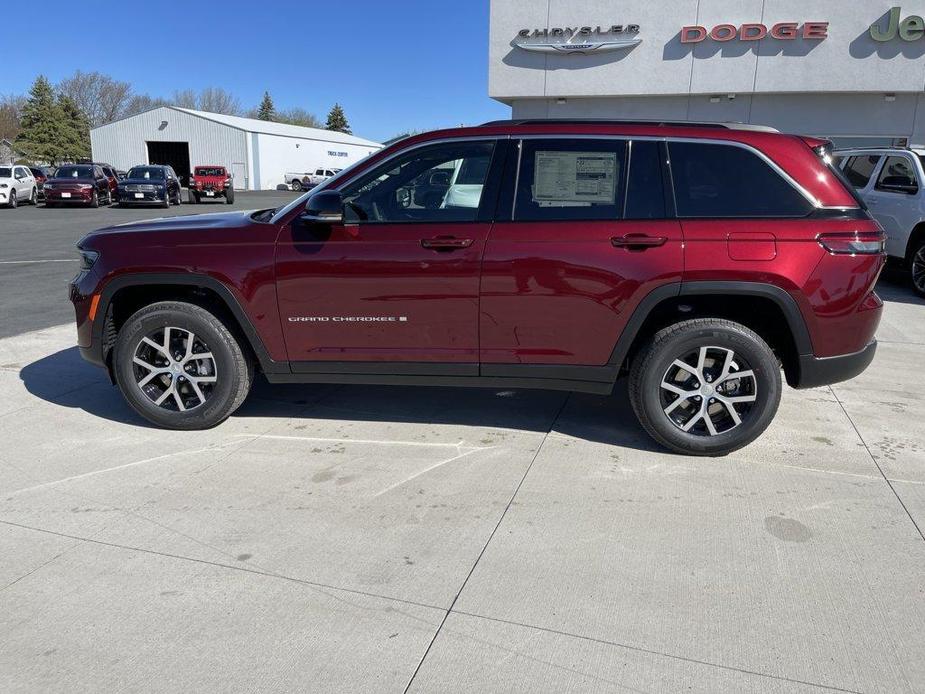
729, 125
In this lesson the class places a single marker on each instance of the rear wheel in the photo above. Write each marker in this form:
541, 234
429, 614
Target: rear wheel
705, 387
180, 367
917, 267
296, 184
191, 197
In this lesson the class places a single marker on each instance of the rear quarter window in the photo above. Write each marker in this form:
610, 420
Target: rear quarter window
716, 180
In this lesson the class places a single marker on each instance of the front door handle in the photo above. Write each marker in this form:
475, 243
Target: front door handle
638, 242
445, 243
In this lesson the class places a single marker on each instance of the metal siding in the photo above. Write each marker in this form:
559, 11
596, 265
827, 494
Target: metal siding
124, 143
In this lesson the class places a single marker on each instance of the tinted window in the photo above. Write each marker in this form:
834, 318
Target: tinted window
570, 179
645, 194
419, 186
897, 171
74, 172
146, 172
859, 169
728, 181
6, 172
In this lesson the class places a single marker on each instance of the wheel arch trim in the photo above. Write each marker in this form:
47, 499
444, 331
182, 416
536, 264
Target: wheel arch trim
185, 280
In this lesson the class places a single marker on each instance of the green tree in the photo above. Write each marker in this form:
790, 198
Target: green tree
75, 129
337, 120
41, 124
266, 110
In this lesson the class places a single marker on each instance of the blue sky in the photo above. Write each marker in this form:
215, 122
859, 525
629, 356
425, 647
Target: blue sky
394, 66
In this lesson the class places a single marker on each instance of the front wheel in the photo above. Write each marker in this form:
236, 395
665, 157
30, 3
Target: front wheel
11, 201
705, 387
917, 267
229, 196
180, 367
34, 198
94, 199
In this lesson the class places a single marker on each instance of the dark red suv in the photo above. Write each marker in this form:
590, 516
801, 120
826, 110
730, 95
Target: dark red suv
701, 259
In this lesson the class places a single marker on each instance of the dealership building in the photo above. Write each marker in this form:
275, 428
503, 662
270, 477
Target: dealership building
259, 153
850, 70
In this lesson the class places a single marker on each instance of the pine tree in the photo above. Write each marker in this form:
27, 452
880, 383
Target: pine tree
41, 124
266, 111
337, 120
75, 130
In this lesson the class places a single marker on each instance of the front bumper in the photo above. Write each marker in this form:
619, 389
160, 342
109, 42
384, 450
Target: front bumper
147, 197
76, 196
822, 371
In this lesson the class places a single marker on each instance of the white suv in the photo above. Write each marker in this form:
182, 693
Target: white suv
17, 184
892, 183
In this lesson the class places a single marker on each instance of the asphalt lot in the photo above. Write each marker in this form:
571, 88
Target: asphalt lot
350, 538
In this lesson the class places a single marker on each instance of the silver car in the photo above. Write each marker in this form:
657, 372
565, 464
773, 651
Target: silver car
892, 182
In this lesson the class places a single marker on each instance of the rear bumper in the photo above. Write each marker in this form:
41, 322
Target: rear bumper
822, 371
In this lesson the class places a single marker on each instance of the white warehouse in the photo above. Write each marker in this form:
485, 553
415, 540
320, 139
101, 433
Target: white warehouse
259, 153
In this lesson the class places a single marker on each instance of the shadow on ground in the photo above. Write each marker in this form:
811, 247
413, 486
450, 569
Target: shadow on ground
62, 379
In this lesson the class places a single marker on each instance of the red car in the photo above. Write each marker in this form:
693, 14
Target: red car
211, 182
84, 184
701, 260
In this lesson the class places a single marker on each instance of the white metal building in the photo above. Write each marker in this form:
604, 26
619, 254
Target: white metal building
258, 152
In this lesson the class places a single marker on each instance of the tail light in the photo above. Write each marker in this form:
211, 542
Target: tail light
854, 243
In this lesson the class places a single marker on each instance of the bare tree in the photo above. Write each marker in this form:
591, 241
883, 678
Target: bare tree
217, 100
10, 113
99, 97
140, 103
185, 99
299, 116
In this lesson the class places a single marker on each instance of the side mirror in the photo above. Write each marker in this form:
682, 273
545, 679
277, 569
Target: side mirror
325, 207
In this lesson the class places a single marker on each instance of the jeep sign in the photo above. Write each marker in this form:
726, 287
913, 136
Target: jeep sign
911, 28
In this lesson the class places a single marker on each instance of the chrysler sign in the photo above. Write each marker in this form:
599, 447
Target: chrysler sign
579, 39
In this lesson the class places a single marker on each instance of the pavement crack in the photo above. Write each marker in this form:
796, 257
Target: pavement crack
491, 535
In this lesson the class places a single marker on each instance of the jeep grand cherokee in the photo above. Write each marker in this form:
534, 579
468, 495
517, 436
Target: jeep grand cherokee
700, 259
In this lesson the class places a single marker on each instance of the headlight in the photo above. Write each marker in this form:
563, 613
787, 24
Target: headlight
87, 258
49, 186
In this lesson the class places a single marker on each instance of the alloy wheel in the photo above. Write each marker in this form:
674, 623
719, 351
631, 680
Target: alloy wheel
709, 391
174, 369
13, 201
918, 269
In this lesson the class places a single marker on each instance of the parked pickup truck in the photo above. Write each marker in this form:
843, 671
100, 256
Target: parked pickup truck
307, 180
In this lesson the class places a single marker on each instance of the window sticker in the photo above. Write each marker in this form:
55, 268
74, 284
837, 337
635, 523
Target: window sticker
574, 179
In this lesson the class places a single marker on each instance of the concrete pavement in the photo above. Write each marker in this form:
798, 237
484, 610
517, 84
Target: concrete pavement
359, 539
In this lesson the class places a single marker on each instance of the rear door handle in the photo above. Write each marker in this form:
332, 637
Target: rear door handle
445, 243
638, 242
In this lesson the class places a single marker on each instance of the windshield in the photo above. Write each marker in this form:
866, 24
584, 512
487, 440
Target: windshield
75, 172
5, 172
146, 172
209, 171
281, 212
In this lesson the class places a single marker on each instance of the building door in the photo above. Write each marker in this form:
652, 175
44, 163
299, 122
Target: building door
175, 154
239, 175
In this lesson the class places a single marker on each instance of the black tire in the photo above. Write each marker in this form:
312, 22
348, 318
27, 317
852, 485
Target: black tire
34, 198
917, 267
229, 196
166, 202
654, 362
11, 201
95, 199
233, 369
296, 185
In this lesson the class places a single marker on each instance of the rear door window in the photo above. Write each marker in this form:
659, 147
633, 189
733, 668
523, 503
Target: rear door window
897, 175
561, 180
858, 169
717, 180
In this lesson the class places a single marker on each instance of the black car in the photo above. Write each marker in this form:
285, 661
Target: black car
149, 185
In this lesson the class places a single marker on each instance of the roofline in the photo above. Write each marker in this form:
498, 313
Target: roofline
729, 125
198, 114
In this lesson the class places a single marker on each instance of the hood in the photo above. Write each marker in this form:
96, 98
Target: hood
183, 223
